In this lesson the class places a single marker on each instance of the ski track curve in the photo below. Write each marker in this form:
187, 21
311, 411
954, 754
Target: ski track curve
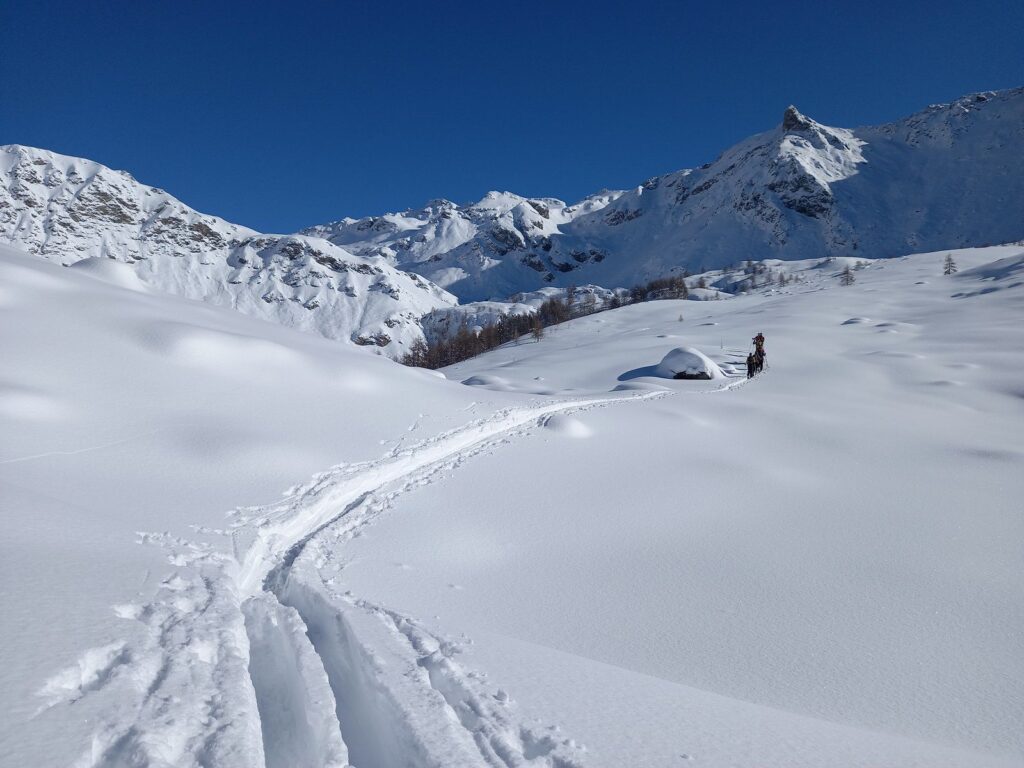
255, 659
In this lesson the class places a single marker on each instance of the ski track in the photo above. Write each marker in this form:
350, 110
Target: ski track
77, 451
254, 659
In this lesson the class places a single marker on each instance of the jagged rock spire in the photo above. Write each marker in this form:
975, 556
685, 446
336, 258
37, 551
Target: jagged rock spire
792, 120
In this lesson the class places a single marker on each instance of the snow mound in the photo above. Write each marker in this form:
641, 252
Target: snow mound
569, 426
26, 404
114, 272
1011, 266
639, 386
501, 384
486, 380
688, 363
215, 350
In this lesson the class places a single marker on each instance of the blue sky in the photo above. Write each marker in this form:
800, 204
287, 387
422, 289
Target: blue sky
282, 115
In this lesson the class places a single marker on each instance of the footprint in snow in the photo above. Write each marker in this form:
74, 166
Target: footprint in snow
91, 672
129, 611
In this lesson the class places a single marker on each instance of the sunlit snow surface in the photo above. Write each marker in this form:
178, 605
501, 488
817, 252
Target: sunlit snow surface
568, 561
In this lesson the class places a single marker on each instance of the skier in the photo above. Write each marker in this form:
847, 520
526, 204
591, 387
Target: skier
750, 365
758, 353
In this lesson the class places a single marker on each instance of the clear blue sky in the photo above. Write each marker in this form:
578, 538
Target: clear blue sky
282, 115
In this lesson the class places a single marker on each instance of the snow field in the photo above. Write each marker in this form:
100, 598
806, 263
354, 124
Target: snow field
129, 412
824, 541
815, 567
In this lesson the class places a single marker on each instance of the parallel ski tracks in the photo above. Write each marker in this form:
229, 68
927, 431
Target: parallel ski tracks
349, 497
342, 501
287, 670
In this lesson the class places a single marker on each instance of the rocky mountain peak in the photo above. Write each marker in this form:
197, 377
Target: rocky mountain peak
793, 120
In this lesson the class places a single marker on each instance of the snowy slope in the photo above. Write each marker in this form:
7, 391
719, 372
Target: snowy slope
818, 567
947, 177
126, 413
67, 209
833, 547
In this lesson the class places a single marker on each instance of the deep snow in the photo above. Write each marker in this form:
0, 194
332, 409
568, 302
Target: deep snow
565, 561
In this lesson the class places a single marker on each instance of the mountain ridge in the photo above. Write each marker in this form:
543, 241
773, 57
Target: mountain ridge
68, 209
799, 190
948, 176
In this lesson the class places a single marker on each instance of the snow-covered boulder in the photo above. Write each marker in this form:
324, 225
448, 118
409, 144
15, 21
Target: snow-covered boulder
688, 363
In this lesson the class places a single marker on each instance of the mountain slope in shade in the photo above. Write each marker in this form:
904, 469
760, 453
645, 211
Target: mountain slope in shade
947, 177
67, 209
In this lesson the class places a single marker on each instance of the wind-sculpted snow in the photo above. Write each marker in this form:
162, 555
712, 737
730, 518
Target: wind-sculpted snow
947, 177
77, 212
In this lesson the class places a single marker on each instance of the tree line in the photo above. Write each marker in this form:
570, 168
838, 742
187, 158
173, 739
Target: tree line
466, 343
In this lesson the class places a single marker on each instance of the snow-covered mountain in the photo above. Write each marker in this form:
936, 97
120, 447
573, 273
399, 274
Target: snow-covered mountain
493, 248
947, 177
67, 209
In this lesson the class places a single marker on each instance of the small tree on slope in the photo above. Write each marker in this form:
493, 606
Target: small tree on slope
949, 267
846, 276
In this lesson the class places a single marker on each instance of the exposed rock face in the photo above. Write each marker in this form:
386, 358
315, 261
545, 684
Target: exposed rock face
792, 120
66, 209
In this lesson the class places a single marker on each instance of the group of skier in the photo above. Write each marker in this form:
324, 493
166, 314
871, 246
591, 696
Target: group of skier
755, 360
